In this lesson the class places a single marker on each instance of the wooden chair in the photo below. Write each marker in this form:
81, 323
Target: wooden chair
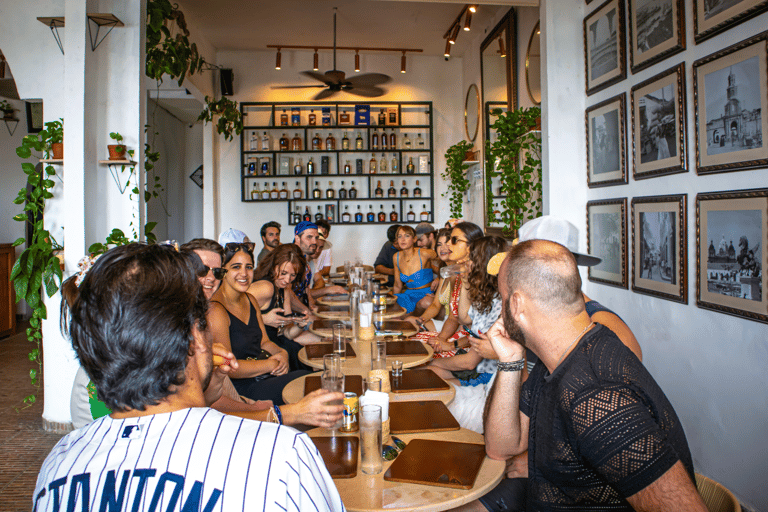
716, 496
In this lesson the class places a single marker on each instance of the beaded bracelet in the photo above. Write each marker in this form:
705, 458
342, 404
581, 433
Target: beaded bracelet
513, 366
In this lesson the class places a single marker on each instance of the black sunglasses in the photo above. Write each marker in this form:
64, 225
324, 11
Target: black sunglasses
218, 272
236, 246
454, 240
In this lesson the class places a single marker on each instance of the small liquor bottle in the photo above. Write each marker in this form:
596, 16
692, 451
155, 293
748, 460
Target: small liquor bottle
310, 166
252, 169
417, 190
346, 217
265, 142
358, 215
370, 217
393, 140
330, 142
329, 192
316, 142
406, 142
382, 215
391, 191
404, 190
312, 118
316, 192
382, 117
345, 142
319, 215
254, 142
344, 117
307, 215
347, 168
395, 165
375, 140
342, 191
424, 213
383, 164
372, 164
384, 140
284, 118
410, 168
359, 141
295, 116
296, 143
275, 192
284, 143
255, 192
411, 215
266, 192
297, 215
353, 191
284, 192
297, 192
298, 168
393, 214
379, 192
419, 142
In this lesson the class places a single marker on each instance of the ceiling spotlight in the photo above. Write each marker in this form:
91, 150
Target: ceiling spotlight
402, 63
502, 50
454, 34
314, 61
277, 59
447, 49
468, 21
357, 61
473, 9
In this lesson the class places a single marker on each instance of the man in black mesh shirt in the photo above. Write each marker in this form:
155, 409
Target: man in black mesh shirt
600, 433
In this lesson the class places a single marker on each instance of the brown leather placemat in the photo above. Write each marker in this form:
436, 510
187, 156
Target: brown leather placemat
352, 384
318, 350
339, 454
418, 380
440, 463
421, 416
406, 348
340, 308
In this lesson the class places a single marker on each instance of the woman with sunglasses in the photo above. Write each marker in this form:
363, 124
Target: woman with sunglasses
413, 273
235, 322
438, 307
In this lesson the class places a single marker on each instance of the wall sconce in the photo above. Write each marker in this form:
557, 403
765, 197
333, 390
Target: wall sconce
357, 61
402, 63
314, 61
447, 50
277, 59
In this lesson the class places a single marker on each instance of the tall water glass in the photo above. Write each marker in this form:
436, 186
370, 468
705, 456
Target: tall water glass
339, 341
354, 313
331, 362
334, 381
378, 355
347, 268
370, 439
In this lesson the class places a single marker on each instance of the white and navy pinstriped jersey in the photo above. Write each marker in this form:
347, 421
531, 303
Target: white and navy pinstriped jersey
193, 460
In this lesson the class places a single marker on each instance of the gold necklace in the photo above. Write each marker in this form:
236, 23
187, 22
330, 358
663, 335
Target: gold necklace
573, 343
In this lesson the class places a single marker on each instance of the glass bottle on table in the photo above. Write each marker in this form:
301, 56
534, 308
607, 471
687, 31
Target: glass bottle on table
316, 192
284, 192
393, 214
372, 164
346, 217
353, 191
411, 214
330, 142
284, 143
316, 142
391, 191
383, 164
379, 192
382, 215
417, 190
342, 191
297, 192
358, 215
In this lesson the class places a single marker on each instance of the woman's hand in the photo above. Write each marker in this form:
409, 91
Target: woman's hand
274, 318
315, 409
282, 363
482, 346
414, 321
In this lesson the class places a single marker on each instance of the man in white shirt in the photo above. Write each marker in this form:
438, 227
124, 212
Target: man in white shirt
138, 325
324, 261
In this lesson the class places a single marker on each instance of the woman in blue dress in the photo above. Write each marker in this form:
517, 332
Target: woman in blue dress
413, 270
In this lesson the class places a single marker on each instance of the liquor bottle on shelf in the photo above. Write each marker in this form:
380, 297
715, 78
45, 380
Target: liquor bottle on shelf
382, 117
346, 217
316, 192
393, 140
255, 192
296, 143
395, 164
265, 142
284, 192
307, 216
344, 117
379, 192
382, 215
265, 167
297, 192
312, 118
274, 193
411, 215
353, 191
358, 215
284, 143
329, 192
391, 191
384, 140
252, 169
424, 213
393, 214
297, 215
410, 168
406, 142
417, 190
345, 142
404, 190
359, 141
383, 164
347, 168
310, 166
342, 191
254, 142
330, 142
419, 142
284, 118
372, 164
316, 143
371, 217
295, 116
319, 215
298, 168
265, 192
375, 140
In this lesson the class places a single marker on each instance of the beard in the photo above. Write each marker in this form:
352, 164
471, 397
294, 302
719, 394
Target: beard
273, 243
513, 330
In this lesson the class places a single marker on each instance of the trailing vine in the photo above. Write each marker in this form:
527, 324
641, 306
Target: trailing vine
230, 118
455, 175
515, 157
167, 53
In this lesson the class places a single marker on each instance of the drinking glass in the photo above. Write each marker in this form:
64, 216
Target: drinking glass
331, 362
334, 381
354, 314
339, 341
397, 369
347, 268
370, 439
378, 355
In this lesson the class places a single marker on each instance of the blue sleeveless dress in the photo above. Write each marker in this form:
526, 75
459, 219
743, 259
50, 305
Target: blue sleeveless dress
421, 278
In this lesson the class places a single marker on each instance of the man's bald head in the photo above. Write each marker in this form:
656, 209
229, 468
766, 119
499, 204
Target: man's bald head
546, 272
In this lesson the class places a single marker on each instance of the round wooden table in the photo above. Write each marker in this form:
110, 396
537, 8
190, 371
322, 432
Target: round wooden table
369, 493
362, 363
341, 312
336, 300
324, 327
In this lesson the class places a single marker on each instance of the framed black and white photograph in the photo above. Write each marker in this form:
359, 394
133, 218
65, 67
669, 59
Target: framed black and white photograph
607, 239
606, 142
659, 247
658, 124
711, 17
731, 236
730, 100
656, 31
605, 46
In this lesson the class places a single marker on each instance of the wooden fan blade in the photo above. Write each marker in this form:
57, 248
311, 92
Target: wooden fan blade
369, 79
320, 77
295, 86
324, 94
367, 92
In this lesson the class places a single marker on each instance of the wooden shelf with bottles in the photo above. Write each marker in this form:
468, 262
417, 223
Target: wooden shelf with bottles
264, 165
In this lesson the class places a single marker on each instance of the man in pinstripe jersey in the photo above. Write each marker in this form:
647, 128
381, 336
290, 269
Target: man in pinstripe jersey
138, 326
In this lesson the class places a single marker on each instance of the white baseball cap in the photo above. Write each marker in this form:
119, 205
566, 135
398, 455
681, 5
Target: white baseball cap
232, 236
559, 231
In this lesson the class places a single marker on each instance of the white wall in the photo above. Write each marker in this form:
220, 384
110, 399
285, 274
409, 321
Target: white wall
711, 365
427, 79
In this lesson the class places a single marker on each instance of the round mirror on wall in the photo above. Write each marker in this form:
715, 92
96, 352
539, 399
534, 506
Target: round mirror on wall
472, 112
533, 65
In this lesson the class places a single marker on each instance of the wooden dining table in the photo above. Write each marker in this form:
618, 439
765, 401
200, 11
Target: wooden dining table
341, 312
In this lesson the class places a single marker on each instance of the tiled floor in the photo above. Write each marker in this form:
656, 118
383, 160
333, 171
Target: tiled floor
23, 443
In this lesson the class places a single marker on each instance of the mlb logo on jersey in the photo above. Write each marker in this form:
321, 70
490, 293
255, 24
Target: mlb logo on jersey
131, 432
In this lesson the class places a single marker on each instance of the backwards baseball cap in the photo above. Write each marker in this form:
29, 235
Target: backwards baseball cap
424, 228
303, 226
232, 236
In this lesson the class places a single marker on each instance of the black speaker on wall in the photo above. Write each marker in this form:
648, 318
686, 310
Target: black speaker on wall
226, 77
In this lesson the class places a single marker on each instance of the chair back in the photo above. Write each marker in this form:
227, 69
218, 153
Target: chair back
716, 496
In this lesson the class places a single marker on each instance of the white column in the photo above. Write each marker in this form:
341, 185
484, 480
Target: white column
211, 226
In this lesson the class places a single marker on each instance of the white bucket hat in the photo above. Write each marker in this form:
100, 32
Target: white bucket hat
559, 231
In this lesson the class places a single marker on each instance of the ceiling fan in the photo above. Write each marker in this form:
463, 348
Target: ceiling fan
334, 80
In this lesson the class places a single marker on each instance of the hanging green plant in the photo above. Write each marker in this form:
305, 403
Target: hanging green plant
230, 118
169, 53
456, 176
515, 157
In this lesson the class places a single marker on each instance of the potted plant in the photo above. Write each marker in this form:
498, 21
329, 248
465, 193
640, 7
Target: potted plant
7, 109
55, 137
116, 151
455, 175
